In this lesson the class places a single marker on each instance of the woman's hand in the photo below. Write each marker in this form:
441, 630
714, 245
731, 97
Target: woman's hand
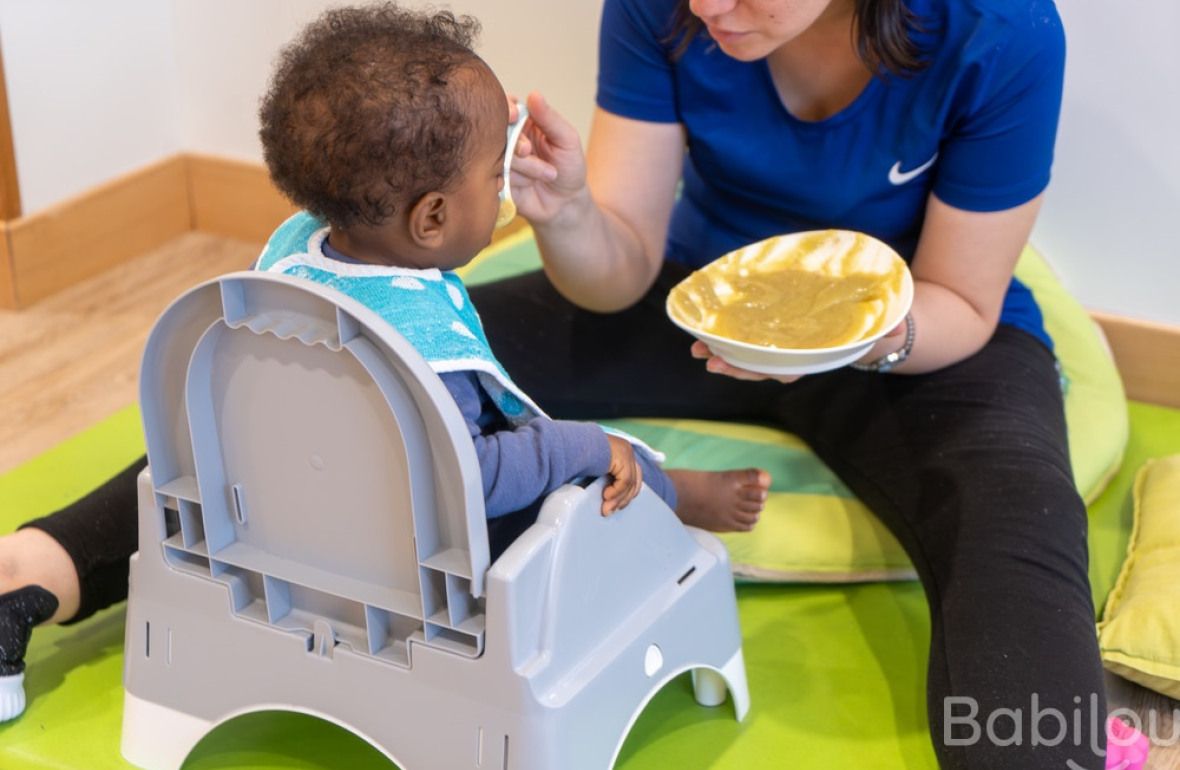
601, 251
717, 365
549, 167
626, 477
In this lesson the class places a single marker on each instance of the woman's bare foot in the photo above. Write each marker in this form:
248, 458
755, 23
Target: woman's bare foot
720, 501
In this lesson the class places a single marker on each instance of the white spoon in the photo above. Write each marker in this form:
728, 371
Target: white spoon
507, 207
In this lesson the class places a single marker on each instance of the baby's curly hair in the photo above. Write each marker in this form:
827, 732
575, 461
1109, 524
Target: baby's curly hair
361, 117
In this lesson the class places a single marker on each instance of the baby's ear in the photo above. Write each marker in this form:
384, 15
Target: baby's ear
428, 220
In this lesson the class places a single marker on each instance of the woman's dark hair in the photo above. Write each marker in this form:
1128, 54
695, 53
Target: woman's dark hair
363, 115
882, 30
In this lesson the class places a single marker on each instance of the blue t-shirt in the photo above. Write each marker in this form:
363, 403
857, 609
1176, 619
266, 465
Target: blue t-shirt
976, 127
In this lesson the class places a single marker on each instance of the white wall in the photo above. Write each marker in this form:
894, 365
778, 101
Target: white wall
97, 89
91, 90
225, 49
1111, 220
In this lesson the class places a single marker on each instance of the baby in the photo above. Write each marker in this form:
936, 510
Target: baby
383, 124
386, 127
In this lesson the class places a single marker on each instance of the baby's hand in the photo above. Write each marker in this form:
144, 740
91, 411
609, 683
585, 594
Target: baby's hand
625, 474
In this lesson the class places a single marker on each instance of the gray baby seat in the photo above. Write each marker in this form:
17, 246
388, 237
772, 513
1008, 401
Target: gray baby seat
312, 538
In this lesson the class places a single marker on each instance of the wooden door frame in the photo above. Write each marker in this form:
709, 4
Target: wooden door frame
9, 185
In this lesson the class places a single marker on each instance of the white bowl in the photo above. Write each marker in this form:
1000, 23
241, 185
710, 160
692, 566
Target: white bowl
766, 359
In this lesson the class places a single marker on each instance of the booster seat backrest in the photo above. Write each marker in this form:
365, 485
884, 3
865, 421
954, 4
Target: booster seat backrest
311, 460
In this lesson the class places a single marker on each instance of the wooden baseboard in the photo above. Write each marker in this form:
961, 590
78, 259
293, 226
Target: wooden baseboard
117, 221
114, 222
9, 184
234, 198
81, 237
1147, 355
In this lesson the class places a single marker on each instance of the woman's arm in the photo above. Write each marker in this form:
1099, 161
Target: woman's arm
600, 219
962, 269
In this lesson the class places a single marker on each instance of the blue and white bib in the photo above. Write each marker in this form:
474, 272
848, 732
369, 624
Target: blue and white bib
430, 308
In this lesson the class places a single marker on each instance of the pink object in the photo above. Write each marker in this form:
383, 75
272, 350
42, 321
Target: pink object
1126, 747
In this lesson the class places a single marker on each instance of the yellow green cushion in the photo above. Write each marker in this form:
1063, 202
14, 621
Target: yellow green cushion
814, 529
1095, 403
1140, 629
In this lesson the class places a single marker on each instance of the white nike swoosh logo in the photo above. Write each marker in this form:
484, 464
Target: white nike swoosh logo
898, 177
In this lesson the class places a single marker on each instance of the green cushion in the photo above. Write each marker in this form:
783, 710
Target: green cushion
1140, 629
814, 530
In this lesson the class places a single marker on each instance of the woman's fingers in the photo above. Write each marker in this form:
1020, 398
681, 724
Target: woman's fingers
718, 365
524, 146
556, 129
533, 168
548, 167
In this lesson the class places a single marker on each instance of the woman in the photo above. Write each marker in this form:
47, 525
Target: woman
928, 124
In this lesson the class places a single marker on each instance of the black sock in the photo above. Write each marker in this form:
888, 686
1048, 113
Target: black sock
20, 610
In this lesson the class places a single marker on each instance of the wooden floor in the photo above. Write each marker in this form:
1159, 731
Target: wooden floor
71, 360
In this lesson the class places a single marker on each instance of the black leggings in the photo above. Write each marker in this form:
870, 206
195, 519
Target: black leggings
99, 532
968, 467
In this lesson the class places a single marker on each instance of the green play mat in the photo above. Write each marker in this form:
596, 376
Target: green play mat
836, 672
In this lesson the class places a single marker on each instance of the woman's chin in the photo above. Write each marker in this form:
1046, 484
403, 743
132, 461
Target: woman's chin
743, 47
